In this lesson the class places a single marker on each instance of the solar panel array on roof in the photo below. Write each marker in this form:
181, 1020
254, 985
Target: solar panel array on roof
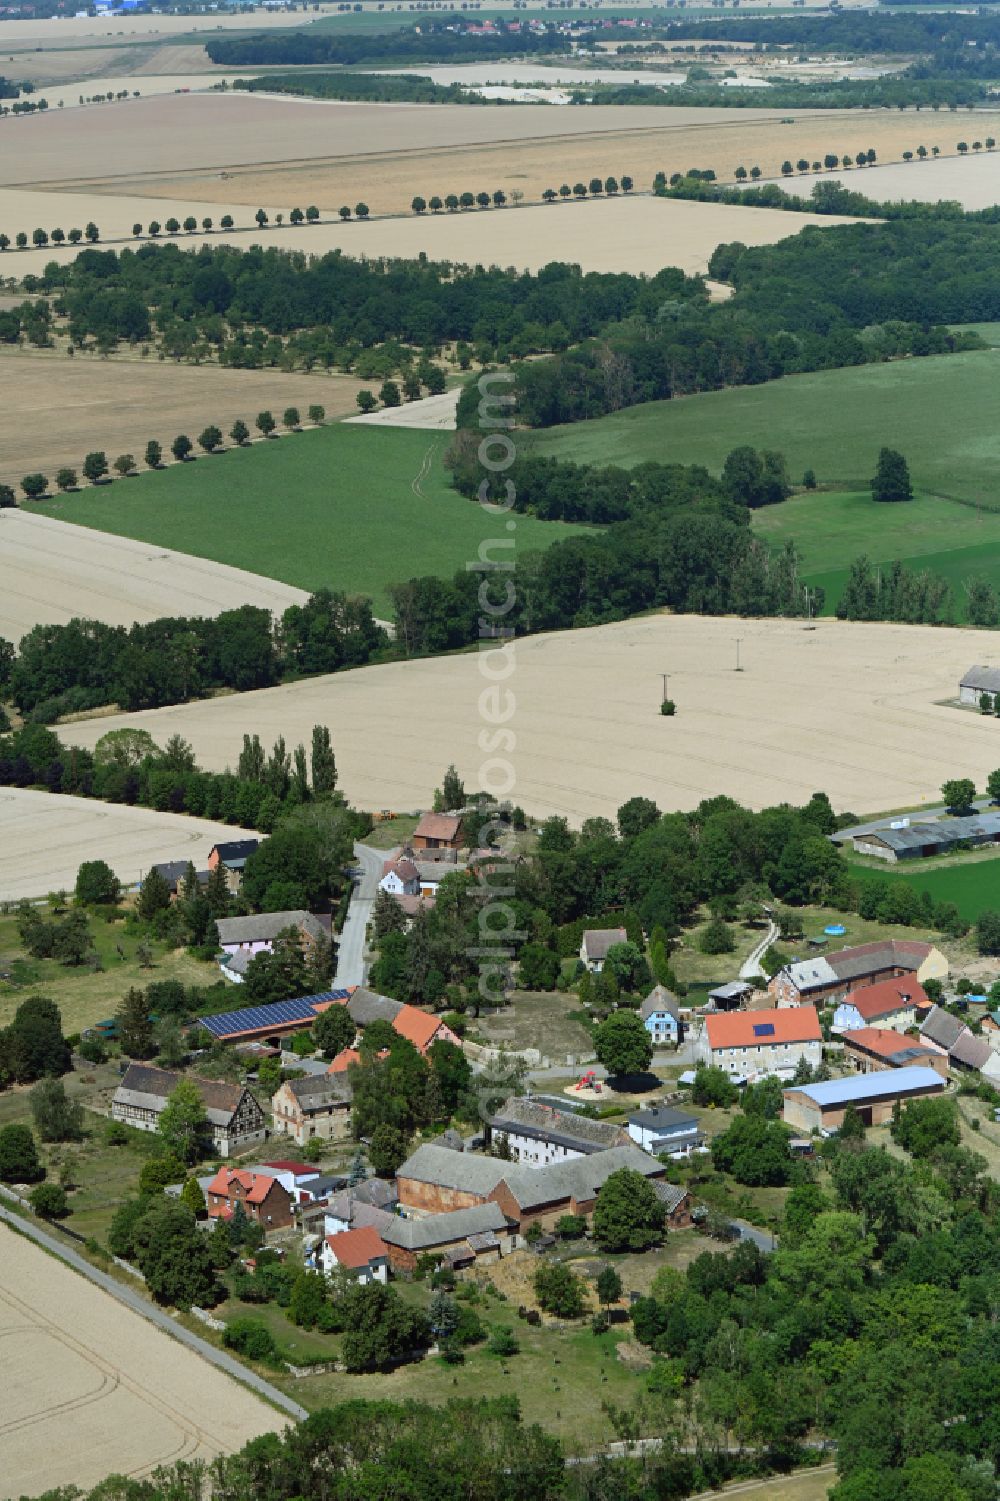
763, 1029
257, 1018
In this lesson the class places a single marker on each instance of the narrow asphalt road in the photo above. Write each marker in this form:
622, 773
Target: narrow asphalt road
148, 1310
351, 945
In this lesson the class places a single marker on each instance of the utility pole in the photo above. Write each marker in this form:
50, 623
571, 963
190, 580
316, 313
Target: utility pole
738, 640
808, 594
665, 676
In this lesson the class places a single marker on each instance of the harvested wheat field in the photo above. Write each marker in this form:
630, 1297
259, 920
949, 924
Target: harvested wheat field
973, 180
51, 571
92, 1388
118, 404
600, 234
203, 134
81, 86
44, 839
270, 149
853, 709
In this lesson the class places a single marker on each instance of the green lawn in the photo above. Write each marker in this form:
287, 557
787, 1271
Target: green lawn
561, 1378
939, 412
85, 996
355, 508
949, 537
972, 884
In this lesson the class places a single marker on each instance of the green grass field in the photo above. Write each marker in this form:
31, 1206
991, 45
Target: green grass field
85, 996
355, 508
939, 412
830, 530
972, 884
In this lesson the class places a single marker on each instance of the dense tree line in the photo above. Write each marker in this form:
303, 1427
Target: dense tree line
812, 302
356, 303
559, 490
434, 42
919, 89
851, 32
693, 558
395, 88
136, 771
64, 668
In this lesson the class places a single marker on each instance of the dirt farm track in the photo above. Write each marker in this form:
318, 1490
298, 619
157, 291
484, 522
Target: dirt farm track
101, 1390
857, 710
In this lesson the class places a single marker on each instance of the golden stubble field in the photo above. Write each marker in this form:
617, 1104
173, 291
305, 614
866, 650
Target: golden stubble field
52, 572
44, 839
154, 140
636, 234
281, 151
54, 410
90, 1387
853, 709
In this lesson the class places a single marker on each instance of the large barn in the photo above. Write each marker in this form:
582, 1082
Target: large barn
821, 1107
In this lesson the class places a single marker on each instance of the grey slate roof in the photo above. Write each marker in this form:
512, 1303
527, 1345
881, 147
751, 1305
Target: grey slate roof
811, 974
597, 941
483, 1240
662, 1118
942, 833
943, 1028
579, 1179
660, 999
264, 927
174, 871
982, 679
670, 1195
530, 1186
320, 1091
234, 853
366, 1006
149, 1088
563, 1128
972, 1051
440, 1229
460, 1170
238, 963
869, 958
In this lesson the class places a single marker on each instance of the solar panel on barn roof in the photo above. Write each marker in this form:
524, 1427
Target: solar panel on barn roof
254, 1018
763, 1029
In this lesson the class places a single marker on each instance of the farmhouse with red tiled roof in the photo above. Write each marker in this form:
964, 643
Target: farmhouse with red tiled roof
898, 1004
362, 1251
265, 1201
762, 1042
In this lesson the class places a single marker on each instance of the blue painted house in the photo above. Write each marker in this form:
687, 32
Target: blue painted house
661, 1015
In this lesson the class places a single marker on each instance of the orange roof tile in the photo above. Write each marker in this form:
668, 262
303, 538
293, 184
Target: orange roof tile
887, 996
358, 1247
882, 1041
257, 1185
417, 1027
343, 1061
756, 1029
